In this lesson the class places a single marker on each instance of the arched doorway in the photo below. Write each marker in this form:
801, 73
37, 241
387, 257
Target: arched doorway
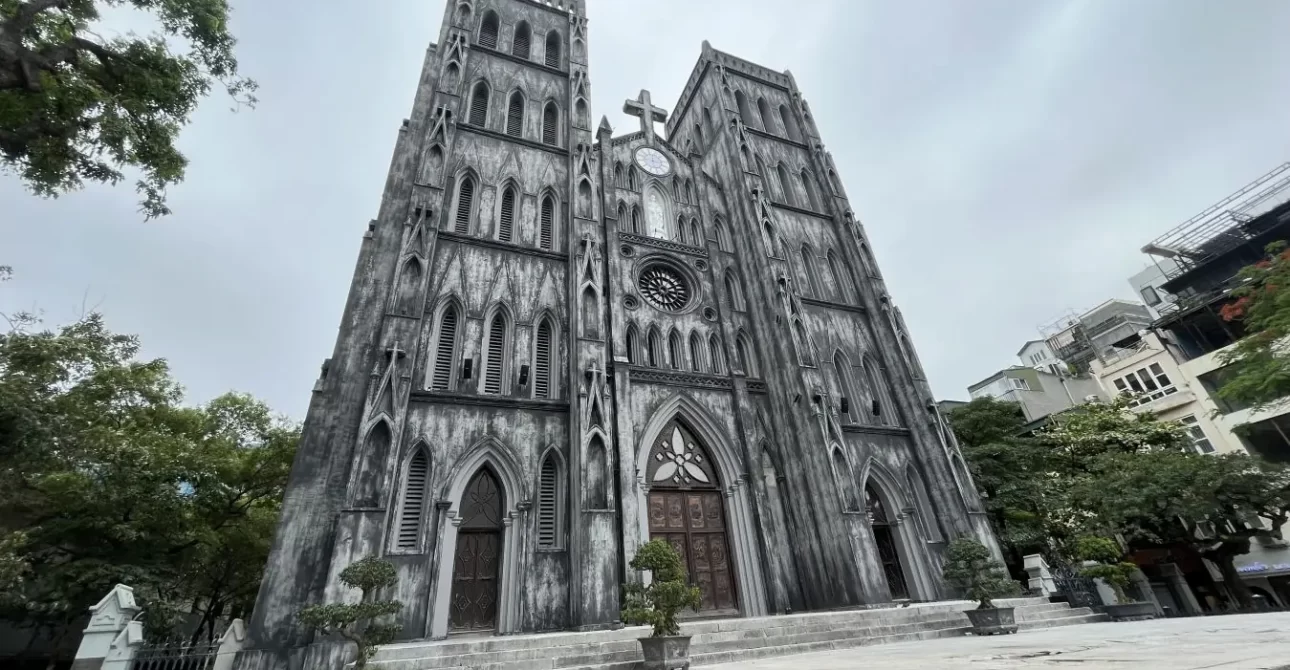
687, 509
476, 570
884, 537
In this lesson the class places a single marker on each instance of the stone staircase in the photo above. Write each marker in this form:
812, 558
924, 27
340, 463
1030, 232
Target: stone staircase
719, 640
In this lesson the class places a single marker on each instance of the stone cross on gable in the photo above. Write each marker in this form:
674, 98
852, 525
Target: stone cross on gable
648, 113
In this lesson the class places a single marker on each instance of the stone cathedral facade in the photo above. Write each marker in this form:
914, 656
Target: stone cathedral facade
561, 343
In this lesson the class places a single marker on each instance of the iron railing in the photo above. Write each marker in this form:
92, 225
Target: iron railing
176, 656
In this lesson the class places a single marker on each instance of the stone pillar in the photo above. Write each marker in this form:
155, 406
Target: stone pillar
1143, 585
232, 642
1180, 588
112, 634
1041, 578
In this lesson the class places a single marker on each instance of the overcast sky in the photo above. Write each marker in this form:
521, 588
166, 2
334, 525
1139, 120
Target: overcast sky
1008, 157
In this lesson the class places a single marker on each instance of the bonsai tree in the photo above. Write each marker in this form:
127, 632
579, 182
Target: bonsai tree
969, 566
1110, 568
667, 593
357, 622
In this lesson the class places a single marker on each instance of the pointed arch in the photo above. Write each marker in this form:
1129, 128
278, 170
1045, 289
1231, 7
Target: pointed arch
451, 77
497, 345
432, 169
579, 50
506, 215
520, 45
463, 13
696, 233
546, 223
636, 219
682, 235
747, 355
696, 352
633, 178
551, 494
811, 276
581, 114
771, 239
553, 44
654, 348
623, 222
499, 460
846, 385
515, 114
727, 464
675, 353
544, 358
488, 25
598, 477
479, 94
551, 124
618, 175
745, 112
658, 212
789, 122
464, 207
676, 190
804, 354
689, 191
734, 291
747, 156
841, 281
369, 470
761, 171
445, 339
632, 343
698, 132
767, 119
881, 409
884, 507
409, 286
723, 235
808, 187
717, 354
785, 185
586, 207
414, 501
589, 301
844, 479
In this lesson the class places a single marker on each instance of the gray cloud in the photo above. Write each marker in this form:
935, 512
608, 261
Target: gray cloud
1008, 159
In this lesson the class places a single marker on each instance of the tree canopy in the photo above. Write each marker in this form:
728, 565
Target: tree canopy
77, 107
107, 477
1260, 363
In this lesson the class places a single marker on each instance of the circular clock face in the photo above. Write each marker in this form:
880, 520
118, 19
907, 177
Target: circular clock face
653, 161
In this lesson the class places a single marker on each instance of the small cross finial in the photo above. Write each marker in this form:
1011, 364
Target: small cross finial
395, 352
648, 113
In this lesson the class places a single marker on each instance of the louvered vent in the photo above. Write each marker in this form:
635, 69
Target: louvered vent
506, 226
488, 31
549, 120
414, 496
496, 341
547, 234
521, 45
479, 106
542, 364
445, 351
548, 503
515, 116
553, 50
465, 203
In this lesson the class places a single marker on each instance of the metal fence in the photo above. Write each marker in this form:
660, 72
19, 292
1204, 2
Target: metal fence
176, 656
1074, 588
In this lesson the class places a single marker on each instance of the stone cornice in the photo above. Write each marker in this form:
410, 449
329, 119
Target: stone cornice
479, 130
639, 373
516, 59
757, 386
800, 210
778, 138
834, 305
502, 246
667, 245
876, 430
443, 398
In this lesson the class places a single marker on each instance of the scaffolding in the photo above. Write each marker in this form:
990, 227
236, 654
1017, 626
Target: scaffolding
1224, 225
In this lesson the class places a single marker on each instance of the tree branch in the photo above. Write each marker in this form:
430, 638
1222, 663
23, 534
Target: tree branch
26, 14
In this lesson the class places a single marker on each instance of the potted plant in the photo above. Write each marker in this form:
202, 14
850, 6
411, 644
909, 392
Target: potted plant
364, 624
1109, 566
657, 604
969, 566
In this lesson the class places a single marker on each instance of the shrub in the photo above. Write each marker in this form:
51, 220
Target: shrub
658, 603
969, 566
1110, 568
358, 622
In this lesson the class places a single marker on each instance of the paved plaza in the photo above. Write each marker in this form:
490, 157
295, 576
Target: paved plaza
1236, 642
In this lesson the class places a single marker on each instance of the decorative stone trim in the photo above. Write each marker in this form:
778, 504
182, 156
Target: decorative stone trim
834, 305
443, 398
503, 246
678, 378
667, 245
516, 59
876, 430
486, 132
800, 210
755, 386
786, 140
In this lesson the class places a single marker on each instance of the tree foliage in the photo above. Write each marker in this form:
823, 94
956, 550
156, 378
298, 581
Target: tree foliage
969, 566
658, 603
76, 107
111, 479
1110, 565
1260, 364
360, 623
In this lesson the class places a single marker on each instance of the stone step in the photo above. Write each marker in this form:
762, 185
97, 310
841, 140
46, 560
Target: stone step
713, 640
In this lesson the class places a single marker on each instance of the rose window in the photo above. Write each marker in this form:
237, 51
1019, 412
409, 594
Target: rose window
664, 288
680, 462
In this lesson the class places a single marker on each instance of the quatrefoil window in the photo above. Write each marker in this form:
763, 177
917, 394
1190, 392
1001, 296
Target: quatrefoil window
680, 462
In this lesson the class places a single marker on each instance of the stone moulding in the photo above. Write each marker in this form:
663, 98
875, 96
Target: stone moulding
662, 244
652, 375
875, 430
440, 398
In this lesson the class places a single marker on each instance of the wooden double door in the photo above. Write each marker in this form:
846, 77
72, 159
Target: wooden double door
476, 569
694, 523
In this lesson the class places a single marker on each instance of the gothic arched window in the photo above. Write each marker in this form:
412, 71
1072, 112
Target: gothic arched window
696, 233
523, 37
553, 49
841, 287
657, 214
543, 357
785, 185
412, 504
675, 359
790, 123
618, 175
723, 235
546, 233
716, 354
495, 359
443, 370
550, 520
842, 368
804, 353
654, 349
636, 219
479, 105
747, 356
465, 204
630, 343
808, 187
745, 112
633, 180
696, 352
808, 268
488, 30
767, 120
515, 115
551, 124
733, 290
506, 220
